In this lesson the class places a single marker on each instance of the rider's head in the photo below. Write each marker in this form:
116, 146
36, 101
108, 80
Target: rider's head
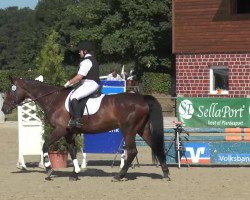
114, 73
85, 47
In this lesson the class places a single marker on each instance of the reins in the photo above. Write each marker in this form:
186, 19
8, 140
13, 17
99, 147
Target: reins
34, 100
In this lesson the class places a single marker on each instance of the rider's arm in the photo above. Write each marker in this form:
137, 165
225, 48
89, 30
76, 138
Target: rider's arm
76, 79
85, 66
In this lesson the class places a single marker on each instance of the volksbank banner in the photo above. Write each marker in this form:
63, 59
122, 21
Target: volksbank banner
214, 112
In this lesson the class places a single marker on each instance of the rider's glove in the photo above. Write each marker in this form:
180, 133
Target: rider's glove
68, 84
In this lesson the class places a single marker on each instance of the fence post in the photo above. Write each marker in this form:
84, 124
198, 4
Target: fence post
2, 116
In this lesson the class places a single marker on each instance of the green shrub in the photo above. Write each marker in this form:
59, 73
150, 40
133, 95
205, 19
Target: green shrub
60, 145
5, 74
156, 83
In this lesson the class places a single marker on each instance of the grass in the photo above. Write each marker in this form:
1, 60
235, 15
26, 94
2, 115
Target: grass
12, 116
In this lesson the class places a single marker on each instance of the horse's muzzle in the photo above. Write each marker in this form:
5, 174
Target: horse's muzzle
6, 109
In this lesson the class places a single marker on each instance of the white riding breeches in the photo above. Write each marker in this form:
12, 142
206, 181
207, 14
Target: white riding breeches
87, 88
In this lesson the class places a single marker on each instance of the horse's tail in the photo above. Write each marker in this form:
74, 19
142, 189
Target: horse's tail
157, 129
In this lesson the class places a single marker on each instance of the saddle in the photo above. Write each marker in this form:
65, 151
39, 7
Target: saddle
83, 101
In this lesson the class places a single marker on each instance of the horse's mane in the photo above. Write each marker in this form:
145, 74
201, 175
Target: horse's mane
41, 83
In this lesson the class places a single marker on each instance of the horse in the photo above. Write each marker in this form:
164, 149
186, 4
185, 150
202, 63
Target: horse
133, 113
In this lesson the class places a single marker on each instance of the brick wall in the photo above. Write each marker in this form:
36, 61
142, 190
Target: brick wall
192, 74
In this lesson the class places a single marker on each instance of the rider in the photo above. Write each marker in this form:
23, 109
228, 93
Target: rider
114, 76
88, 77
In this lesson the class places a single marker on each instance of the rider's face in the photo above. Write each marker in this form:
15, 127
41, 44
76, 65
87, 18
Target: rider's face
82, 53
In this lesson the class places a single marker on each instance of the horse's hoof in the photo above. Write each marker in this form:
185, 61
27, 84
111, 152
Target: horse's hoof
21, 167
48, 179
118, 179
167, 178
49, 172
73, 178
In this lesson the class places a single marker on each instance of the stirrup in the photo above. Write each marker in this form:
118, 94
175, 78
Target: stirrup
71, 123
78, 124
74, 124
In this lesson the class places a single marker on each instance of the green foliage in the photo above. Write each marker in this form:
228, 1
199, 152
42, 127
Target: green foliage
49, 64
49, 61
12, 116
156, 83
106, 68
131, 31
126, 30
17, 39
60, 145
51, 15
5, 74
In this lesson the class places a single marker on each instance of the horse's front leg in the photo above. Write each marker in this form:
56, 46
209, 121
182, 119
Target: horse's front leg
70, 138
46, 161
54, 136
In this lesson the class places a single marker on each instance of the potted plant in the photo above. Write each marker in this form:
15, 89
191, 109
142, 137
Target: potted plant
58, 151
219, 90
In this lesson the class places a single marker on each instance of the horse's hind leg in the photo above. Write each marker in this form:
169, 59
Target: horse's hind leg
70, 138
159, 152
131, 154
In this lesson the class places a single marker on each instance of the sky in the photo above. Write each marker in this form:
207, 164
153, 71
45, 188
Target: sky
19, 3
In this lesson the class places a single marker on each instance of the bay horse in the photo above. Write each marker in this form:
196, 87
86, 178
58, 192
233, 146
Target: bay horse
133, 113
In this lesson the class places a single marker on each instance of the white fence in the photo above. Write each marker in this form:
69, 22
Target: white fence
2, 117
30, 131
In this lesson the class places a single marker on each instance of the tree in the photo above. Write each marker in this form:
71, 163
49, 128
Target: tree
17, 39
49, 64
49, 61
51, 15
131, 30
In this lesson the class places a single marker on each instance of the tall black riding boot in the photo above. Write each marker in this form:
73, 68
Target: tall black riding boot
75, 121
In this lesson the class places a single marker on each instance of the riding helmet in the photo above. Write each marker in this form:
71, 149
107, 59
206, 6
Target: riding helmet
85, 45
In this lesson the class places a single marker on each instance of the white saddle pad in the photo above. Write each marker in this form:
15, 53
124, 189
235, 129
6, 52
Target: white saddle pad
93, 104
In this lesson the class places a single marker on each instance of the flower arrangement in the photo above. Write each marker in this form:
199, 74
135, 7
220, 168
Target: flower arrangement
219, 90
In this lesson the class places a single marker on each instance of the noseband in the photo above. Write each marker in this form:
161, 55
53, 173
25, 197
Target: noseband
12, 104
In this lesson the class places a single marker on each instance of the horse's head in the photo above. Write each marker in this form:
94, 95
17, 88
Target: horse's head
14, 96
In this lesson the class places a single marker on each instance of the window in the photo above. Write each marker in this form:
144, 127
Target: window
219, 79
240, 6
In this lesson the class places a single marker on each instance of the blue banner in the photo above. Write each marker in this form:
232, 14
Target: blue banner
232, 158
110, 141
107, 142
221, 152
115, 84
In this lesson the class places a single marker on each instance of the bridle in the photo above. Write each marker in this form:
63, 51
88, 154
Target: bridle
13, 103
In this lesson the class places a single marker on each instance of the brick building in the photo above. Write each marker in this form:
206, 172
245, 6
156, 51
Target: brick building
211, 44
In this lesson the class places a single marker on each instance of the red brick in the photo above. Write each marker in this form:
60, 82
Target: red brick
195, 71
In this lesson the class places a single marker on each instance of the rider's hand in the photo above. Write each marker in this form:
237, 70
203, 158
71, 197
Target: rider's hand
68, 84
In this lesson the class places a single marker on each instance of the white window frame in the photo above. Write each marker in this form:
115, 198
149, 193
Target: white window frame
211, 77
